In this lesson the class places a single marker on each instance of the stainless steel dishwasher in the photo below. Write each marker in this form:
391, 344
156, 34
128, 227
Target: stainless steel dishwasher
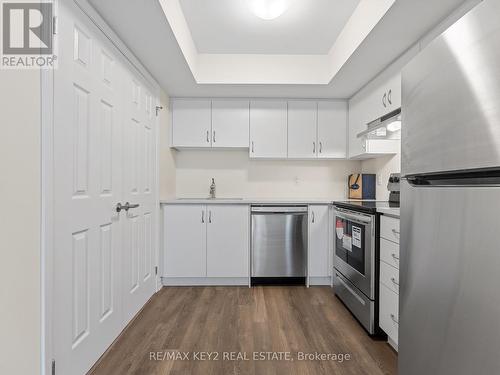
279, 244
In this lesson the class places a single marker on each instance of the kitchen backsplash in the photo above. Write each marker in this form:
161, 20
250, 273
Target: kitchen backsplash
238, 176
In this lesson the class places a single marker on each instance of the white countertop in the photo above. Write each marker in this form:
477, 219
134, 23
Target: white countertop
249, 201
389, 211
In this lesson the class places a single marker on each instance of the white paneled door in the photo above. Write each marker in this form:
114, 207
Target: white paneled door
104, 153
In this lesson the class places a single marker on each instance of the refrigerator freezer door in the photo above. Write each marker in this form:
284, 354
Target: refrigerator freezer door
449, 281
451, 91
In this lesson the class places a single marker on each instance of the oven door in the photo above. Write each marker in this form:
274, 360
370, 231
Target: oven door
355, 249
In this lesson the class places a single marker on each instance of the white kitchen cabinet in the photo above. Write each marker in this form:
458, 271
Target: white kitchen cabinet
302, 129
268, 129
230, 123
332, 129
389, 278
380, 97
228, 241
206, 241
319, 257
191, 123
389, 314
185, 239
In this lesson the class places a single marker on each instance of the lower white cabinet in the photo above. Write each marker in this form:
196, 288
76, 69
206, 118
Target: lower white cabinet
389, 278
319, 257
389, 313
185, 238
203, 241
227, 241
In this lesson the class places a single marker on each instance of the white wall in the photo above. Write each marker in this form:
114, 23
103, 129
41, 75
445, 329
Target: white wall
20, 138
238, 176
382, 167
167, 155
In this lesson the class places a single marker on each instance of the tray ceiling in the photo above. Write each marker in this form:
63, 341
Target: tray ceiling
230, 26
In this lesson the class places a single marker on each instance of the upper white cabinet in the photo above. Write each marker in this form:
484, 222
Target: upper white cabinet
191, 123
230, 123
227, 241
271, 128
379, 98
332, 129
317, 129
210, 123
302, 129
319, 259
268, 129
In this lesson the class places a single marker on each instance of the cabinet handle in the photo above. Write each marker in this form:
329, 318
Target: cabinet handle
208, 136
394, 256
314, 147
252, 147
394, 281
312, 213
395, 231
383, 100
389, 96
202, 216
210, 217
320, 147
393, 317
213, 136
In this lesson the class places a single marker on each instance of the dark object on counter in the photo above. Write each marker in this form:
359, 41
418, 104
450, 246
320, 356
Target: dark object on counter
393, 187
362, 186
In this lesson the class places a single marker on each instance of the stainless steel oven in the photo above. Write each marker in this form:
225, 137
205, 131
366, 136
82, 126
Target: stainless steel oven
355, 257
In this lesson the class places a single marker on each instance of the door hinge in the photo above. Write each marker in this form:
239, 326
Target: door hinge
156, 270
53, 367
54, 25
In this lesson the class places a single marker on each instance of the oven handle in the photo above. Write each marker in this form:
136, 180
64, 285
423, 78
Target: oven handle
355, 295
355, 218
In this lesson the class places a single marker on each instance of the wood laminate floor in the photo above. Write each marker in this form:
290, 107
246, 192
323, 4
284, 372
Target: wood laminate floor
243, 320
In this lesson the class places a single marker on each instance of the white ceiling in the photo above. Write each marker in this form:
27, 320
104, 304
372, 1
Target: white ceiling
143, 26
230, 26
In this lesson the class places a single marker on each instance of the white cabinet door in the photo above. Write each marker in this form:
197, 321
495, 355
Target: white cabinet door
332, 129
227, 240
191, 123
302, 129
394, 93
268, 129
318, 241
185, 240
357, 123
230, 123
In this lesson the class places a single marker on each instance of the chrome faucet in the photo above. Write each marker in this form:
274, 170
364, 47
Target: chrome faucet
212, 189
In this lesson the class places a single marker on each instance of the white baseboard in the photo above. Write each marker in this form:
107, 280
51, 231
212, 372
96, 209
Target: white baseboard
204, 281
320, 280
392, 343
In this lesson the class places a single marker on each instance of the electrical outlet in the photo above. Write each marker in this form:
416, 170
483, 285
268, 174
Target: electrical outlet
379, 180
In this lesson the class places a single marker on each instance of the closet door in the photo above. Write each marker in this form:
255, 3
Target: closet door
87, 310
104, 154
138, 176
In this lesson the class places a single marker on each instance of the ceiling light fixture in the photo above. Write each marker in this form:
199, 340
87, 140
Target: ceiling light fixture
268, 9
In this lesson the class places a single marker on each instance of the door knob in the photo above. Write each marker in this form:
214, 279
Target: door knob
127, 206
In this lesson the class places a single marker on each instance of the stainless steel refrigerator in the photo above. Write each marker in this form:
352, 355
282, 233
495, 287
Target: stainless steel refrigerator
450, 202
